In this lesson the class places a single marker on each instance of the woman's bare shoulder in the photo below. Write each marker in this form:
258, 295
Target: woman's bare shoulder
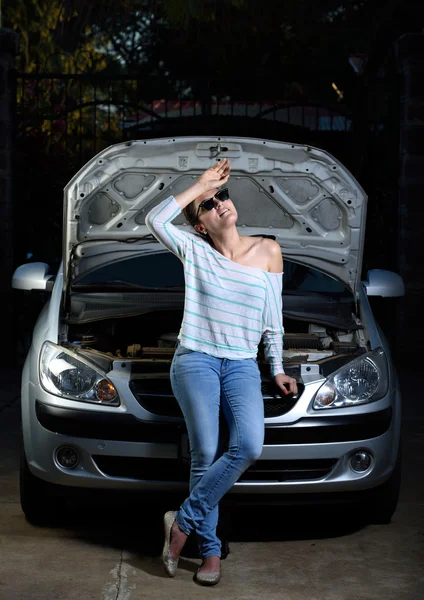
274, 255
266, 253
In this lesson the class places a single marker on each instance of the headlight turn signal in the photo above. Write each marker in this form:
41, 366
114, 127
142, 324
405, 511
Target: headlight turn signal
105, 391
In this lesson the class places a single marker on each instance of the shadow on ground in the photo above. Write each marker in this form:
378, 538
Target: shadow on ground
138, 529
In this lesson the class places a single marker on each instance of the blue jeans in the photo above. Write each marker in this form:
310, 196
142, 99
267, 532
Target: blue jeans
201, 384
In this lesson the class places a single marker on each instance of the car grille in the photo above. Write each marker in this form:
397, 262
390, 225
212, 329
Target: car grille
164, 469
156, 396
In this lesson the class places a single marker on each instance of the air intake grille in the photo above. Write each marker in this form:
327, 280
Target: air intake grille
299, 341
155, 395
167, 469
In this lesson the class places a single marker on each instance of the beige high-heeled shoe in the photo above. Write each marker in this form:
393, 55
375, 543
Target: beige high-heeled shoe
169, 563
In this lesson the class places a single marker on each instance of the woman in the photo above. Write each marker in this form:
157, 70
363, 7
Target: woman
233, 298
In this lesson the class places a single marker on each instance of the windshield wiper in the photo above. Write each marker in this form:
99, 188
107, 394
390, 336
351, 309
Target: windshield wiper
124, 285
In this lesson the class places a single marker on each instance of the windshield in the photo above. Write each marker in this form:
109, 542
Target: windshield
164, 271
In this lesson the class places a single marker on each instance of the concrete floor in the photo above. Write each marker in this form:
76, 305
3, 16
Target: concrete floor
111, 552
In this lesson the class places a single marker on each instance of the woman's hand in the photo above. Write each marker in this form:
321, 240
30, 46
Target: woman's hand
210, 179
216, 175
290, 382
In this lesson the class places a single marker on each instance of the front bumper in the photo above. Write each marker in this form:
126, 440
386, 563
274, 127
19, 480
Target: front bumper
118, 451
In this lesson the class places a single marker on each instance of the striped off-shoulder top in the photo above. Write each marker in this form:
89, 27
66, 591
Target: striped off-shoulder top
228, 307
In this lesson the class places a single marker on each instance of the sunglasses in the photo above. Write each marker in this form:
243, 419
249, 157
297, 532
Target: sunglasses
209, 203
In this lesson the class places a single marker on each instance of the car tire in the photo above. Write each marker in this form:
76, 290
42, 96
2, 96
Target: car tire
41, 501
384, 498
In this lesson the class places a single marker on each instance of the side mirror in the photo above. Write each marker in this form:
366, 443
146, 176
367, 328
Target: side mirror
33, 276
384, 283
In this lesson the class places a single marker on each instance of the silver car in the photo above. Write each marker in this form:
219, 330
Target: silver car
97, 405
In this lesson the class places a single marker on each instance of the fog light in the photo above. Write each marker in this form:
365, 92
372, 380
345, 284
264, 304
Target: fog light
67, 457
360, 461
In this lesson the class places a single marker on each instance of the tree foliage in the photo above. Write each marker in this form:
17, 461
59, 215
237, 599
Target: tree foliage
230, 45
233, 45
38, 22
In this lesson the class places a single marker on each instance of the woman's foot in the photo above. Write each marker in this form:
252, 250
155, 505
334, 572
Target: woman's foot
209, 572
174, 542
210, 564
178, 539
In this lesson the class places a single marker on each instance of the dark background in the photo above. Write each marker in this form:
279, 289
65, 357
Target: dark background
345, 76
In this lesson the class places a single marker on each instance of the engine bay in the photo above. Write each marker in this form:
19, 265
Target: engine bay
154, 334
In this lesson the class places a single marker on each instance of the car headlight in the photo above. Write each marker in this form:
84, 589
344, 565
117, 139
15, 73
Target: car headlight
363, 380
64, 374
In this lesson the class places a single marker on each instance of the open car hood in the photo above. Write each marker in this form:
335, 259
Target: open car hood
301, 195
